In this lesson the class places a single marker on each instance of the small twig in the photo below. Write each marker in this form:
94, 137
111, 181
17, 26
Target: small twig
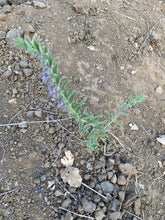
105, 151
19, 112
4, 107
4, 193
34, 122
162, 53
3, 152
117, 140
133, 214
67, 192
94, 190
52, 113
125, 16
146, 38
135, 9
82, 216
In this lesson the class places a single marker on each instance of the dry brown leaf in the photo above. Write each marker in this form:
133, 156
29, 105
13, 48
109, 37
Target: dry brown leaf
68, 159
71, 176
127, 169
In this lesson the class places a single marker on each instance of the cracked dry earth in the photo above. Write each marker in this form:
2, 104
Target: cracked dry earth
110, 50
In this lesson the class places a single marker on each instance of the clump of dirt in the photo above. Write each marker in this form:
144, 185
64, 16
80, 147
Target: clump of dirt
110, 50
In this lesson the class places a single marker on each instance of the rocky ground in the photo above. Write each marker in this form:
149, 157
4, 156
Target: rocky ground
110, 50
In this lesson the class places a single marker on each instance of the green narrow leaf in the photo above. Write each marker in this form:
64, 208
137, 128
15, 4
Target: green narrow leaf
55, 68
72, 95
86, 128
109, 115
64, 84
118, 123
62, 78
85, 111
80, 125
46, 48
78, 105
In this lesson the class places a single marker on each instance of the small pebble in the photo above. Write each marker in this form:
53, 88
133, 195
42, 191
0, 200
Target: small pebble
121, 180
38, 114
159, 89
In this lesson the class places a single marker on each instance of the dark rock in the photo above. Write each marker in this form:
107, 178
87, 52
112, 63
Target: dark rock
17, 2
88, 206
107, 187
114, 205
98, 164
114, 215
115, 192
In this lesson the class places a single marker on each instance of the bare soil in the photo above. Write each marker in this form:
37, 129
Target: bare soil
110, 50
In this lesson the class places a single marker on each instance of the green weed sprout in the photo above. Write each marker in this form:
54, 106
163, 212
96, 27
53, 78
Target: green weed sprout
89, 125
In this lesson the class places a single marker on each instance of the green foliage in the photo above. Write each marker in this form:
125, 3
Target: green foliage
88, 124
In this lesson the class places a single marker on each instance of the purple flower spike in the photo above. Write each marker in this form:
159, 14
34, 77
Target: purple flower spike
45, 78
59, 105
50, 92
54, 95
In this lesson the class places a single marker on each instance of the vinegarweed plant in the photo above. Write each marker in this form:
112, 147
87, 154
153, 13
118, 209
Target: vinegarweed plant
94, 129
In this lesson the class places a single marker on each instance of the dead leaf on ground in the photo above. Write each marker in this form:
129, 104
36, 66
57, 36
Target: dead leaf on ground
71, 176
68, 159
127, 169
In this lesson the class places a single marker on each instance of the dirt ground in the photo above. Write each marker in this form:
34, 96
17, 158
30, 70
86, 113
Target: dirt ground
110, 50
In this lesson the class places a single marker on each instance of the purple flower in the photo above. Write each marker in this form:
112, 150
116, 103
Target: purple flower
45, 78
59, 105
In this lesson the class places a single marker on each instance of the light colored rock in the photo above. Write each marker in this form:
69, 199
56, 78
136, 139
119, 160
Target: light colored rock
23, 124
114, 179
94, 100
39, 5
121, 180
28, 72
38, 114
13, 34
127, 169
3, 17
50, 183
159, 89
23, 64
161, 139
12, 101
6, 75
